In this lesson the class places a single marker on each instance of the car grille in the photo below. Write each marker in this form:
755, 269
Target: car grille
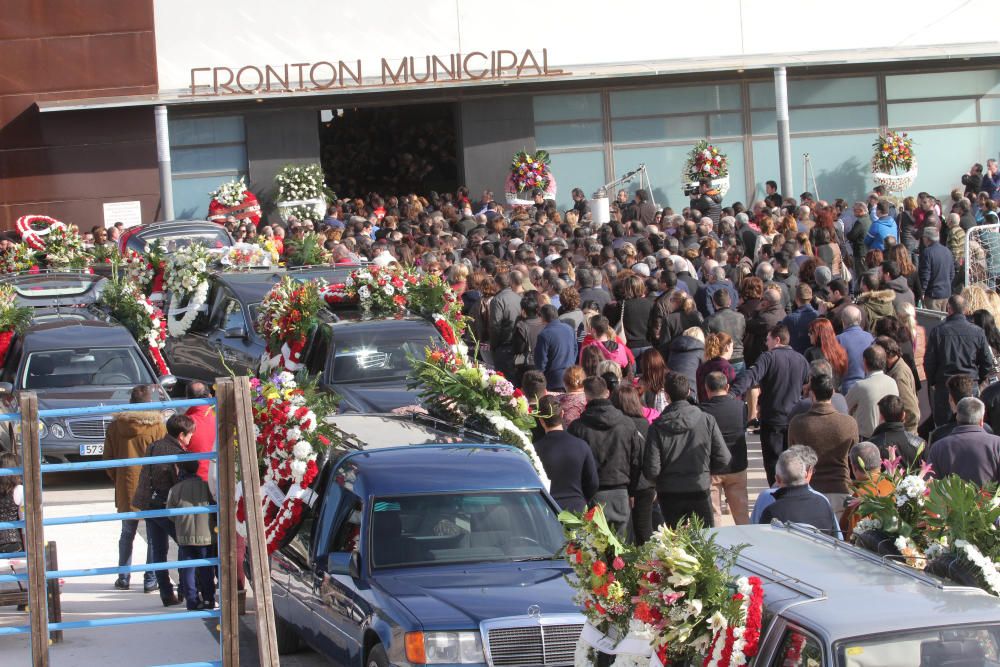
532, 646
88, 429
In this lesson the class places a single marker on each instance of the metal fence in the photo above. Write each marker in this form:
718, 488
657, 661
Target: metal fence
230, 423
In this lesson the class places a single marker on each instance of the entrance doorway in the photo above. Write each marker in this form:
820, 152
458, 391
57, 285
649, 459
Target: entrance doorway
390, 150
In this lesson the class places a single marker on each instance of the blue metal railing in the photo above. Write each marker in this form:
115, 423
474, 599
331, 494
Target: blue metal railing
118, 516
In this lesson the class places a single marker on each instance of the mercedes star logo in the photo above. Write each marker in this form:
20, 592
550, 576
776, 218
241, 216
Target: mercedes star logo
534, 611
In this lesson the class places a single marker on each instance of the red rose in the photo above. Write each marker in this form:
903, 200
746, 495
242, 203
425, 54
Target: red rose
599, 568
618, 563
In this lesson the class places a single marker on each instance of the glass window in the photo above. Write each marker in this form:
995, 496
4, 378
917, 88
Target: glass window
191, 194
725, 124
208, 130
463, 527
84, 367
798, 648
376, 354
578, 106
944, 112
834, 118
966, 645
839, 163
584, 170
989, 109
232, 315
642, 130
680, 99
943, 84
569, 135
763, 122
208, 158
945, 154
817, 91
210, 236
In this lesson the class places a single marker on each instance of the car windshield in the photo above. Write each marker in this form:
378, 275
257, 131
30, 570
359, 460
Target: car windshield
371, 355
968, 646
429, 529
174, 240
87, 367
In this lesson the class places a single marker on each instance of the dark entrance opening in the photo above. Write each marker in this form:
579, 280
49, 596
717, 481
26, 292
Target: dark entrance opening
390, 150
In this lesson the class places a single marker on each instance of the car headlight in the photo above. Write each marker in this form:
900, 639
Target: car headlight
43, 430
57, 431
435, 648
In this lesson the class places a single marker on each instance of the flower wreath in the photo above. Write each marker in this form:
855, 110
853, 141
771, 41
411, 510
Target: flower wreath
894, 164
288, 315
243, 256
233, 200
125, 301
706, 161
19, 258
33, 229
64, 250
14, 319
186, 278
290, 439
529, 172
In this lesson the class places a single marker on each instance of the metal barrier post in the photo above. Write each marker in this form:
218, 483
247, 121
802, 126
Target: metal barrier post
229, 621
34, 543
267, 642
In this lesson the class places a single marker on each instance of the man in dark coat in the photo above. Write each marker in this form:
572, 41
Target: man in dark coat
794, 501
892, 433
555, 348
684, 449
771, 313
954, 347
800, 318
617, 447
936, 271
727, 320
780, 372
969, 452
505, 308
568, 461
731, 416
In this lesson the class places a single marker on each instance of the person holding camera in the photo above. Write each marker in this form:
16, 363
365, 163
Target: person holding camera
707, 200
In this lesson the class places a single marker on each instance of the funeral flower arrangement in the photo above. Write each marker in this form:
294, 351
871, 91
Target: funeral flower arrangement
705, 161
64, 250
306, 251
288, 315
292, 434
125, 301
20, 257
300, 192
14, 319
465, 392
34, 228
378, 290
900, 516
186, 278
243, 256
234, 200
530, 172
894, 164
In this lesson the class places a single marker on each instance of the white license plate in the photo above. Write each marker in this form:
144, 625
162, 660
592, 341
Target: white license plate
93, 449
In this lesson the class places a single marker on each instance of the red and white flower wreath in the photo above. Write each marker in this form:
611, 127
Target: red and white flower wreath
734, 644
33, 229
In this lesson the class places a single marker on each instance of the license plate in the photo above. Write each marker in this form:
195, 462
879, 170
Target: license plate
93, 449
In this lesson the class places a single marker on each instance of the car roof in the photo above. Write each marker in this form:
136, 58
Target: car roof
73, 333
51, 288
438, 468
251, 286
842, 591
360, 323
378, 431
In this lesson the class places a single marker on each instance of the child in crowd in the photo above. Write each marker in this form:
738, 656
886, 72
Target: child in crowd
11, 505
194, 535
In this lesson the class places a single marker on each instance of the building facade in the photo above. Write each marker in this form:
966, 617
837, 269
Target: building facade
248, 86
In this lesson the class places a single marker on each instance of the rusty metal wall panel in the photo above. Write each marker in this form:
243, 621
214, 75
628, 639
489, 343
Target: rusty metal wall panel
27, 19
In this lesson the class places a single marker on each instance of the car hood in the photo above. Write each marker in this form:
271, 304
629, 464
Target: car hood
374, 397
82, 397
461, 597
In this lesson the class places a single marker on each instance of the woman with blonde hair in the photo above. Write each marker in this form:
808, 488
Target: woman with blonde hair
904, 260
718, 352
907, 314
767, 234
975, 299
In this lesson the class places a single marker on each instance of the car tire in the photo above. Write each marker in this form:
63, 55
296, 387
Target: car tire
377, 657
285, 637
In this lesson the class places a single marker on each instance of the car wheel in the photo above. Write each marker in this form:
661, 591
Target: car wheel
377, 657
285, 637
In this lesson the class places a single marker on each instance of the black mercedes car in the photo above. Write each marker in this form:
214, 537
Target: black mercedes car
74, 357
175, 234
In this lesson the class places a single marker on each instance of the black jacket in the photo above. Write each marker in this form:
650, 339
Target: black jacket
614, 441
571, 469
637, 314
969, 452
731, 416
684, 449
937, 271
755, 341
780, 373
684, 355
798, 504
957, 347
894, 434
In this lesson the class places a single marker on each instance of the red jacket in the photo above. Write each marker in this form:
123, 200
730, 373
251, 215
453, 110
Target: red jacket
204, 436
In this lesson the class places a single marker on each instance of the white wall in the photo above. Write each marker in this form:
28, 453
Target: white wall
584, 37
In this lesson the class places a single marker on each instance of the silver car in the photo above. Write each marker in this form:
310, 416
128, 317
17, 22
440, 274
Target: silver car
829, 603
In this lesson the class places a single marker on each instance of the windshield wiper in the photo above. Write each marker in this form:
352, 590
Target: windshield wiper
527, 559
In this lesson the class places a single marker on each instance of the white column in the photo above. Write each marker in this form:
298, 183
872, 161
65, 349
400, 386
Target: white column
784, 140
163, 159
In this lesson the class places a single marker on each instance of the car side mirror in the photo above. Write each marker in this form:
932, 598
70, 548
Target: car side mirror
344, 563
168, 382
6, 388
235, 332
